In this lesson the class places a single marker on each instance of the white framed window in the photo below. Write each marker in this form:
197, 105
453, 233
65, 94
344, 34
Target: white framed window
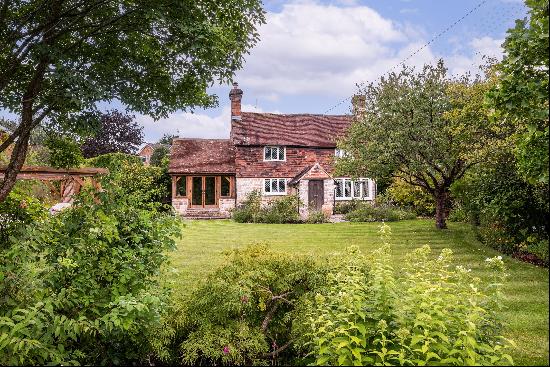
347, 189
340, 153
274, 153
275, 186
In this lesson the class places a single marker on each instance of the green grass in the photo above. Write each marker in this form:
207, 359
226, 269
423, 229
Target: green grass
200, 251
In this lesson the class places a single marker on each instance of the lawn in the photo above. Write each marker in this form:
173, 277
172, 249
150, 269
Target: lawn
200, 251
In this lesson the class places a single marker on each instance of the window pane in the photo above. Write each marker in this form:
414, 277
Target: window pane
181, 186
273, 185
274, 153
281, 153
356, 189
225, 186
347, 188
267, 185
282, 185
267, 153
339, 188
366, 192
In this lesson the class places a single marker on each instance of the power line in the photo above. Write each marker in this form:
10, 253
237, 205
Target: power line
418, 50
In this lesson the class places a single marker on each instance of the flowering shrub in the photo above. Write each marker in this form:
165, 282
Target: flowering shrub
427, 312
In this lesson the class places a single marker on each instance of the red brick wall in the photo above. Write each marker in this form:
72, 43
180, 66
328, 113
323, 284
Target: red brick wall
249, 161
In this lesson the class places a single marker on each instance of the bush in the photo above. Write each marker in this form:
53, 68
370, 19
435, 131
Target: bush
424, 313
405, 195
242, 313
510, 214
64, 152
18, 210
384, 213
316, 217
83, 286
148, 186
344, 207
280, 210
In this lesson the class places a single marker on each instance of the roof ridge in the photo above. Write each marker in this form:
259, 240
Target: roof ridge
295, 114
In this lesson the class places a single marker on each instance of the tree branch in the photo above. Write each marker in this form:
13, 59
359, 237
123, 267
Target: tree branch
277, 351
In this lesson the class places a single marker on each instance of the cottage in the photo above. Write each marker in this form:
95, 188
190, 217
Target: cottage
146, 150
275, 154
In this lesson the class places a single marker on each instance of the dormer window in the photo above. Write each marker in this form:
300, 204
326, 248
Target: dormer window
274, 153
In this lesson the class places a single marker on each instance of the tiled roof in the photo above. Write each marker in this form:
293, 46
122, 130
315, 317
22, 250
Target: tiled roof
295, 130
202, 156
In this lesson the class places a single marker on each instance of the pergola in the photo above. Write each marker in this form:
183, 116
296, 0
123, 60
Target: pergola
71, 179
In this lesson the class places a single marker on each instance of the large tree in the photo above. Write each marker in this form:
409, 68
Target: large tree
117, 133
59, 58
520, 99
421, 127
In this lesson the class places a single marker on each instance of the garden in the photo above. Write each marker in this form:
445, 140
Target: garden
447, 266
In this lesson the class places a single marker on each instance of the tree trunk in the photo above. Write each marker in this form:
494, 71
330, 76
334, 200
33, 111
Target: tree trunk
16, 162
441, 208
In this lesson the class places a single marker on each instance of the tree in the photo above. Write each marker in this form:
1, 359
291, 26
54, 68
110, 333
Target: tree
159, 154
167, 139
421, 127
520, 99
60, 58
64, 152
116, 133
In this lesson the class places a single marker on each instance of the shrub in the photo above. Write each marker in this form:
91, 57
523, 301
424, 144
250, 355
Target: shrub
148, 186
64, 152
280, 210
83, 286
344, 207
383, 213
405, 195
508, 212
316, 216
18, 210
242, 313
250, 209
424, 313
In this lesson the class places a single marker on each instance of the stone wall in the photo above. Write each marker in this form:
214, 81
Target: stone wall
245, 186
180, 205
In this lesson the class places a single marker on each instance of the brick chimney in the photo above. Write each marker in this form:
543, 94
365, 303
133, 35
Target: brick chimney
359, 105
235, 96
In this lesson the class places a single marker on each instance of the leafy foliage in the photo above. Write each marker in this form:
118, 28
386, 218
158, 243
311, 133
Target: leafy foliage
83, 286
279, 210
422, 127
160, 156
316, 217
18, 210
117, 133
242, 313
60, 59
510, 214
147, 185
404, 195
426, 313
367, 212
64, 152
520, 99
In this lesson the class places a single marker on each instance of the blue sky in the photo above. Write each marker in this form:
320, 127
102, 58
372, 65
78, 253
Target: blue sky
313, 52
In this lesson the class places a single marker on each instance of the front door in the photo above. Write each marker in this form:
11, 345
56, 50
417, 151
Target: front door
203, 192
316, 195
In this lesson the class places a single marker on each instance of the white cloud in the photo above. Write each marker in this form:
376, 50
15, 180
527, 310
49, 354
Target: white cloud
479, 48
309, 47
191, 125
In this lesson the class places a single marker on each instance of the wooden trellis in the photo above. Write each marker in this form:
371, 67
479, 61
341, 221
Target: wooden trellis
71, 180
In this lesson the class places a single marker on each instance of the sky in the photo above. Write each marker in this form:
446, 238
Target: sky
312, 53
